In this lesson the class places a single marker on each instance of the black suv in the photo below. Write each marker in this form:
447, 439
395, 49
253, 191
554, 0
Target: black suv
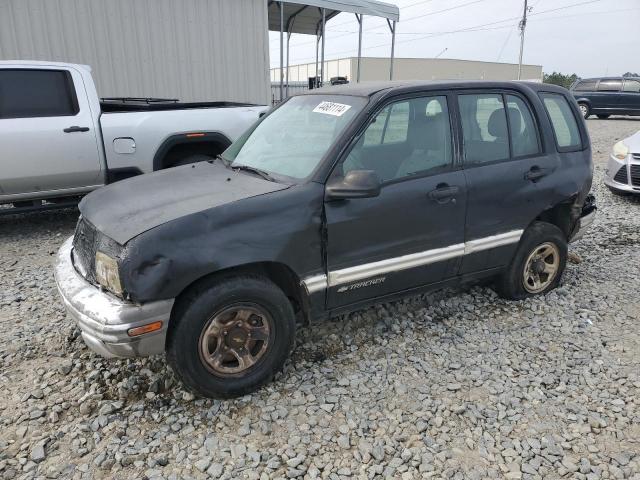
334, 200
608, 96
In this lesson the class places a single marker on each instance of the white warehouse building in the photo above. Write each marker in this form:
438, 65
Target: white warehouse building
193, 50
377, 69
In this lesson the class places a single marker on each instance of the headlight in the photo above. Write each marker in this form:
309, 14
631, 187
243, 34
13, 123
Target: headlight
107, 273
620, 150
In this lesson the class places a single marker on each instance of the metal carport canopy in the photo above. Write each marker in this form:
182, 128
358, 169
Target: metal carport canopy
310, 16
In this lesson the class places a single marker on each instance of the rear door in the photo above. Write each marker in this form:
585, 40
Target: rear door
47, 137
630, 96
412, 234
508, 174
608, 98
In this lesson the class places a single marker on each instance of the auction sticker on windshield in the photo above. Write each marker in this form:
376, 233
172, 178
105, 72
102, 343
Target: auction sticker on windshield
332, 108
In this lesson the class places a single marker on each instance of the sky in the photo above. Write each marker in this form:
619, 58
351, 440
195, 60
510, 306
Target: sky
586, 37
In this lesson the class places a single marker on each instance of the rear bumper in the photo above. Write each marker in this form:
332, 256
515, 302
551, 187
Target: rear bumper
105, 319
586, 219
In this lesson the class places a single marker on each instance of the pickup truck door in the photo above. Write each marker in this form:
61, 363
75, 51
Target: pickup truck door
47, 133
412, 234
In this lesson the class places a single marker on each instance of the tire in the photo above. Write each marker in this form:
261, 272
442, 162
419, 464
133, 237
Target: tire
584, 109
603, 116
200, 157
212, 304
537, 239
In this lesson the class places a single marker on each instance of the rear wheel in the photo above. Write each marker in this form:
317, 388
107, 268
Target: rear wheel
584, 109
230, 336
603, 117
538, 264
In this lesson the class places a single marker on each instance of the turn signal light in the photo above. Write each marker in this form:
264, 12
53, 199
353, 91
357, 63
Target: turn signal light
151, 327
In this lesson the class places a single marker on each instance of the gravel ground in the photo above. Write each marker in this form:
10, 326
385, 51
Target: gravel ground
458, 385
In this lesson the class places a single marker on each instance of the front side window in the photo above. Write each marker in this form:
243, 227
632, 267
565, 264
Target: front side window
563, 121
291, 141
610, 85
484, 128
631, 85
36, 93
415, 140
391, 126
524, 135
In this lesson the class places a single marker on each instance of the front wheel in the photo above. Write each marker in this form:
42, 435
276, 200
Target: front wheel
584, 109
538, 264
230, 336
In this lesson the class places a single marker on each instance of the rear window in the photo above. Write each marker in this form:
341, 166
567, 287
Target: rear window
631, 85
610, 85
586, 86
36, 93
563, 121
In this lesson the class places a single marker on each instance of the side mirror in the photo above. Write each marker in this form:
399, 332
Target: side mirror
355, 184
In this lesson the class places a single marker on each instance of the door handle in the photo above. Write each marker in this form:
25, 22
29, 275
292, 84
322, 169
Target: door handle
444, 193
536, 173
75, 128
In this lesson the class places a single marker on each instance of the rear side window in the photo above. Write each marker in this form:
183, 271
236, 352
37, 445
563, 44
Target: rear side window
484, 128
586, 86
610, 85
36, 93
563, 121
631, 86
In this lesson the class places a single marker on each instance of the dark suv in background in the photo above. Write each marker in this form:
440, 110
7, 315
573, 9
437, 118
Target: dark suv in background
607, 96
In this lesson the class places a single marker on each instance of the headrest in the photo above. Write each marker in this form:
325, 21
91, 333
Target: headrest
515, 120
497, 125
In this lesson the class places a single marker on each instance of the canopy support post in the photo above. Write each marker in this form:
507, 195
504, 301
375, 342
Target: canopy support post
360, 19
288, 41
324, 22
281, 4
315, 79
392, 27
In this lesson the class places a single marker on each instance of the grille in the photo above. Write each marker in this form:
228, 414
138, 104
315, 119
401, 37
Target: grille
621, 176
85, 245
636, 156
635, 175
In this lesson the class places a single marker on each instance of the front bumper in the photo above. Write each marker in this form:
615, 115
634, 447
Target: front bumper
621, 174
105, 319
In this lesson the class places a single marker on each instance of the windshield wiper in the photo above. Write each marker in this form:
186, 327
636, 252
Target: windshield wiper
255, 170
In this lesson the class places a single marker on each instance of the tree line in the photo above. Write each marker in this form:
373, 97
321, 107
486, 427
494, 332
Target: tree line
564, 80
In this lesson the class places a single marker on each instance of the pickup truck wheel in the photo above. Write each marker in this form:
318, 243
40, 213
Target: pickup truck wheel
584, 109
538, 264
192, 159
230, 336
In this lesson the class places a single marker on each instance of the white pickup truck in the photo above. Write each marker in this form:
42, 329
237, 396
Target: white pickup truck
59, 140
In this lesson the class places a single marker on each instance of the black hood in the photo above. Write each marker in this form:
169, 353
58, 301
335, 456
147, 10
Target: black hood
128, 208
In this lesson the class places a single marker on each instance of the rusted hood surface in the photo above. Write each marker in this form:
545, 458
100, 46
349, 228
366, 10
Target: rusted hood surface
126, 209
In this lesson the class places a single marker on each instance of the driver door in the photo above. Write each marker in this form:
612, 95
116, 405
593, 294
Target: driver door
412, 233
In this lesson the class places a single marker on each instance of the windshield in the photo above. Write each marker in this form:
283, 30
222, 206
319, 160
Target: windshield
292, 140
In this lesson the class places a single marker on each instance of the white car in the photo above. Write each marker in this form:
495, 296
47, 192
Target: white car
58, 140
622, 175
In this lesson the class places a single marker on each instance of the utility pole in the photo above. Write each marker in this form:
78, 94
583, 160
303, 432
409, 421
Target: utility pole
522, 26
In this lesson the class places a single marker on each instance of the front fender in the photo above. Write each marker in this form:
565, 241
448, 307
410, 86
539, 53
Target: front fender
281, 227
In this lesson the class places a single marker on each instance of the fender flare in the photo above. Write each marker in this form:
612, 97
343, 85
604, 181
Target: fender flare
186, 138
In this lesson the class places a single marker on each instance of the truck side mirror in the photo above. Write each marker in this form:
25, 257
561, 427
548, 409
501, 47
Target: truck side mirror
355, 184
